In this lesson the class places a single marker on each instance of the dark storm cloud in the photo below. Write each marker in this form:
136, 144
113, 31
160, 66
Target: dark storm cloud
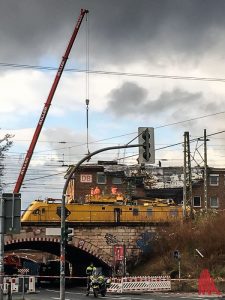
120, 31
131, 99
127, 98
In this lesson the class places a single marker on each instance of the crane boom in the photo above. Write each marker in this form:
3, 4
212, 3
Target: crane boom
48, 103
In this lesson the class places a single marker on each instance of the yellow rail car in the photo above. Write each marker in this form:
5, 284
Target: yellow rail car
48, 212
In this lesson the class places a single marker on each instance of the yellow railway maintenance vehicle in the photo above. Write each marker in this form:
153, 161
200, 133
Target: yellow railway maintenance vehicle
103, 210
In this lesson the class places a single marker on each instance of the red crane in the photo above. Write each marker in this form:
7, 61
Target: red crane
47, 104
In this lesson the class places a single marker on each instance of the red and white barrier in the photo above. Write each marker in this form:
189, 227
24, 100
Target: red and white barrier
115, 285
14, 284
140, 283
31, 286
5, 288
18, 284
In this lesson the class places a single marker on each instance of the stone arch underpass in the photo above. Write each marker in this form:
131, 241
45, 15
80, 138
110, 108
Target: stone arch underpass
79, 253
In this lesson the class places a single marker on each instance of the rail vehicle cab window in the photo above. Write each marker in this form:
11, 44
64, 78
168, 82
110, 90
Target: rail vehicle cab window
173, 212
43, 211
149, 212
101, 178
135, 212
36, 211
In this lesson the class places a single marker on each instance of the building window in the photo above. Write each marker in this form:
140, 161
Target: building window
197, 201
213, 179
101, 178
116, 180
214, 202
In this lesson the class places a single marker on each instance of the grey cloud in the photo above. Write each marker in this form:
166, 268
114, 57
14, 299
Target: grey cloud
131, 99
120, 31
127, 98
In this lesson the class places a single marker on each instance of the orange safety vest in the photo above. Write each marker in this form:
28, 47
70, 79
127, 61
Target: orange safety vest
114, 190
97, 191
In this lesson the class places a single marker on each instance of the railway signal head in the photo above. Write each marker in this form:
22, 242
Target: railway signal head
146, 145
176, 254
68, 234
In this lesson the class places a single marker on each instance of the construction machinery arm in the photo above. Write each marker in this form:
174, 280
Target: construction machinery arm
47, 104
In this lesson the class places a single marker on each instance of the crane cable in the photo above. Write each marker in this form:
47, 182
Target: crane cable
87, 79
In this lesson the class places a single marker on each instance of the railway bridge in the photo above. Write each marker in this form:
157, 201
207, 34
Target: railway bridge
90, 243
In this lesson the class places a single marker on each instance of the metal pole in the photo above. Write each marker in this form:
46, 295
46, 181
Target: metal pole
185, 177
179, 271
1, 244
63, 215
62, 249
189, 176
23, 289
187, 189
205, 171
124, 261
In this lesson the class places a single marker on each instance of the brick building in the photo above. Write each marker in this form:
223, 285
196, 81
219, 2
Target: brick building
168, 183
215, 190
105, 175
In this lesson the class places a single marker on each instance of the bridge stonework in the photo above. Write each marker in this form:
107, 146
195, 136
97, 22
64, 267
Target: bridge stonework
95, 240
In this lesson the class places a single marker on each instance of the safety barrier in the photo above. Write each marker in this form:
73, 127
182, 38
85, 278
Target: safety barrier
19, 284
140, 283
31, 286
115, 286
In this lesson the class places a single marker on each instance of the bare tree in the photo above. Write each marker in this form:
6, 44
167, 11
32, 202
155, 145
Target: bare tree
5, 144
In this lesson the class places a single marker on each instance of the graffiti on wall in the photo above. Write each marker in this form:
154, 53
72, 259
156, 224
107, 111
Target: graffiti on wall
111, 239
145, 241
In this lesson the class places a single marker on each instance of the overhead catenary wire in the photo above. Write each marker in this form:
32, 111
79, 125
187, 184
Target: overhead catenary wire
103, 72
131, 133
161, 148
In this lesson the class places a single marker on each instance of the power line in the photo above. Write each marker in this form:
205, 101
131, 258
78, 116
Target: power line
161, 148
101, 72
123, 135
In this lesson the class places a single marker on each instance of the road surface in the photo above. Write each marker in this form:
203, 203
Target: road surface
79, 294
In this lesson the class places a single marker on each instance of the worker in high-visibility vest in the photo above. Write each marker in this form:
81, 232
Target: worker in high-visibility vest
114, 190
97, 192
91, 269
92, 192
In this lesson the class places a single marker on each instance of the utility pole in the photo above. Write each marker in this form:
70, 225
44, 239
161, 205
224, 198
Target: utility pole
187, 188
205, 171
205, 174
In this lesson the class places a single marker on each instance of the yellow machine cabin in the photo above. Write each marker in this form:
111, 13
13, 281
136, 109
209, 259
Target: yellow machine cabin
104, 209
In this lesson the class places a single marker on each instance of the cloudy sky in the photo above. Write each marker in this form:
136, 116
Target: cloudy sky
152, 63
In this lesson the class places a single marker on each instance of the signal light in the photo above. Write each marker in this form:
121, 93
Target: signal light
146, 145
67, 234
176, 254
